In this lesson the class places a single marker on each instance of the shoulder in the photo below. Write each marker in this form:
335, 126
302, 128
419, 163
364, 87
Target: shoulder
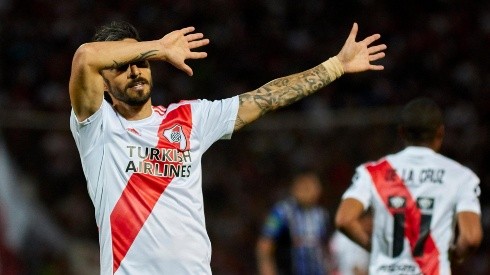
175, 106
205, 103
284, 206
181, 103
99, 115
365, 167
375, 162
450, 162
455, 167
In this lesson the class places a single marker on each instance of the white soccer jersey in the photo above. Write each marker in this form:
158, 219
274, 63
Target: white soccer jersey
347, 255
415, 195
144, 179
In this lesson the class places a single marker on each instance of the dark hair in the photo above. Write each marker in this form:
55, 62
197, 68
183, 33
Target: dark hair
420, 119
116, 31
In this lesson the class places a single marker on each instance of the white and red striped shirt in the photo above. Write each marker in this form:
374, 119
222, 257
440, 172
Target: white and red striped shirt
144, 179
415, 195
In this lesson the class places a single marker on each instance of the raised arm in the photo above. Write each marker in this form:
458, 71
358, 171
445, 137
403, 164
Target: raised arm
353, 57
86, 85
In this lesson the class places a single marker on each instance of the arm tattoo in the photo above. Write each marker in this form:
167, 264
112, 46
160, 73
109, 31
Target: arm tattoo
140, 57
239, 122
284, 91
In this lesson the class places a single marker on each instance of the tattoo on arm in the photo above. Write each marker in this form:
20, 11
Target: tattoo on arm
239, 122
283, 91
141, 57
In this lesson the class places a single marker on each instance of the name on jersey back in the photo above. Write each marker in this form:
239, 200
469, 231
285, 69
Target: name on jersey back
419, 176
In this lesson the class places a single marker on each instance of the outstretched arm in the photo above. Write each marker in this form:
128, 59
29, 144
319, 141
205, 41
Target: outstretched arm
353, 57
86, 83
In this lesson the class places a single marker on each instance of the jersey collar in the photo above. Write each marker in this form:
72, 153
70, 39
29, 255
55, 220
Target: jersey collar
419, 150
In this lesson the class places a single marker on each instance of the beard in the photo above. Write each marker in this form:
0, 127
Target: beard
138, 98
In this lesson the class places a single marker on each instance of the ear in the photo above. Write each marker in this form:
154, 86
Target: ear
437, 144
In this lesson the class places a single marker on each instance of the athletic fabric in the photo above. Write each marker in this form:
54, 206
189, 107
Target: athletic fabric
144, 179
415, 194
347, 255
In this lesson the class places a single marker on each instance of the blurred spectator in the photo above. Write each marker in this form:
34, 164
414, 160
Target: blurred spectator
294, 236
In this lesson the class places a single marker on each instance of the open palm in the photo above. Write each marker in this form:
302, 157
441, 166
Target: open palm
357, 56
178, 46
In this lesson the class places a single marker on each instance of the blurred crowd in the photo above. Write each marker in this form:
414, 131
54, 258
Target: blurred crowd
435, 48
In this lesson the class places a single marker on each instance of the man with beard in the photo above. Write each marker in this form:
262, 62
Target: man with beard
143, 163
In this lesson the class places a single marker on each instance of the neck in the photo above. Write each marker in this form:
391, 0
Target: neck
431, 145
134, 112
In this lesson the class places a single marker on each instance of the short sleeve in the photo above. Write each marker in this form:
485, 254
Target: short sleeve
217, 119
88, 136
86, 133
360, 188
468, 194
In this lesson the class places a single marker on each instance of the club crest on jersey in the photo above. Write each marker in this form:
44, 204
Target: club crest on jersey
425, 203
396, 202
176, 135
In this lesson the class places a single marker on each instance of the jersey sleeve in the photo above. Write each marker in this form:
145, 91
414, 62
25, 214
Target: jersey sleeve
274, 224
88, 136
217, 119
468, 194
360, 188
87, 132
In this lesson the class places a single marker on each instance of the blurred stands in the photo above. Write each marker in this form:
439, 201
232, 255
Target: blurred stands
435, 48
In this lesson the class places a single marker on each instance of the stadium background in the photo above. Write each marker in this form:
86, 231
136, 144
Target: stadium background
435, 48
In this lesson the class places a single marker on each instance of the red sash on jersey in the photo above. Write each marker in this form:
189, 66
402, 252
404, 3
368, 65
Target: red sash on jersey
142, 192
388, 184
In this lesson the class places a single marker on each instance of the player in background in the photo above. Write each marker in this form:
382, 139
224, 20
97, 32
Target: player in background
143, 162
294, 235
417, 196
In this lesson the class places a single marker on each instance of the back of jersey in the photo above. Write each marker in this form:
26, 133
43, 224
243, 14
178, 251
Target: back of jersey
415, 195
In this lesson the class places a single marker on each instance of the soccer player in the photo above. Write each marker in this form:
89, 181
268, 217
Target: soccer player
294, 235
143, 162
417, 196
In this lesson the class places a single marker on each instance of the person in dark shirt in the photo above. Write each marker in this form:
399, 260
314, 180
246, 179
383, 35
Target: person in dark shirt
294, 235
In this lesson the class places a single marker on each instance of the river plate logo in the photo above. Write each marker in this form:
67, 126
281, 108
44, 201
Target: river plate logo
176, 135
